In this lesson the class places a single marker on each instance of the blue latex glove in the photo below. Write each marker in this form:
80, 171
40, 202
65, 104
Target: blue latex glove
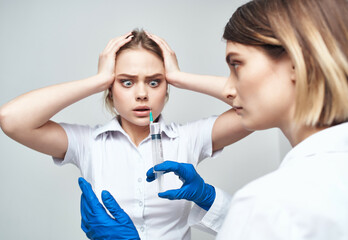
95, 221
194, 188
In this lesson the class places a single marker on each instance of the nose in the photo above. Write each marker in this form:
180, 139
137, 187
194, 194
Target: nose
229, 91
141, 93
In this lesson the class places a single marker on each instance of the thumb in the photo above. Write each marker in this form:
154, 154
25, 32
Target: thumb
111, 204
171, 194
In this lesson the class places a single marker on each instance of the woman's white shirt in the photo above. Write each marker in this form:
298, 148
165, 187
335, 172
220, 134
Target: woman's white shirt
109, 160
306, 198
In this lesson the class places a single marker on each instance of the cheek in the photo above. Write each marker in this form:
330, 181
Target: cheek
161, 92
120, 97
158, 99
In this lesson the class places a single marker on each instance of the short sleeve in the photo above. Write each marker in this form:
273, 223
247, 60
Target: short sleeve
78, 144
199, 135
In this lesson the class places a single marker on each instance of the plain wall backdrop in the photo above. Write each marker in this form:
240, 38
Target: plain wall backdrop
48, 42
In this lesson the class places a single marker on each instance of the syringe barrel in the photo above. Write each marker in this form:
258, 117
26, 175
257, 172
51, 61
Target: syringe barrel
157, 150
157, 153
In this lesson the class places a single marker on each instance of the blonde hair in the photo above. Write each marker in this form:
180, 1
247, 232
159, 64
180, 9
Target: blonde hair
139, 40
314, 34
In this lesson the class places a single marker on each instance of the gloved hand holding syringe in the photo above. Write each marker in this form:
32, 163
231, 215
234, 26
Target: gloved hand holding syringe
157, 150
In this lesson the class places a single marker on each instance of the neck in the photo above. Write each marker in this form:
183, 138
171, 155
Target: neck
135, 132
296, 133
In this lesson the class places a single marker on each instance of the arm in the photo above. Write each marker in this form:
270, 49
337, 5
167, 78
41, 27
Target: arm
26, 118
227, 128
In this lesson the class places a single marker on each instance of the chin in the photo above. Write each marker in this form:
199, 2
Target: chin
142, 122
252, 126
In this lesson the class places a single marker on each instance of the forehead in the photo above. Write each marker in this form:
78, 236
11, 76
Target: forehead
234, 48
136, 61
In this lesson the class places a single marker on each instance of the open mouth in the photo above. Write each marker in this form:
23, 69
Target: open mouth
142, 109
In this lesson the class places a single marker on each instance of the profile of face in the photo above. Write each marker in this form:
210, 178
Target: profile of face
261, 89
139, 86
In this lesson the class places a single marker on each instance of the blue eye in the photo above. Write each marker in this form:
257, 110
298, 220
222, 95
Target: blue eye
127, 83
154, 83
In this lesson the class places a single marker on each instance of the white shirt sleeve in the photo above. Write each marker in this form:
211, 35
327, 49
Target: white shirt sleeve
199, 135
212, 220
78, 144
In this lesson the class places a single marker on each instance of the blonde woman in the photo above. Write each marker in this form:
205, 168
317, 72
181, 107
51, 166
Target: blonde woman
116, 156
289, 70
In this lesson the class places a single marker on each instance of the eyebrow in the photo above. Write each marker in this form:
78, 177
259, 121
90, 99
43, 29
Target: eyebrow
231, 54
135, 76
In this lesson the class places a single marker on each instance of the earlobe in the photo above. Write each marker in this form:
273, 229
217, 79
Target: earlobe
293, 74
110, 93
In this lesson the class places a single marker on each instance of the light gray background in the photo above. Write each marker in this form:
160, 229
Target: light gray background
48, 42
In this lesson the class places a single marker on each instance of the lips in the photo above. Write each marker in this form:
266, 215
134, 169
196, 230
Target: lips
237, 107
142, 109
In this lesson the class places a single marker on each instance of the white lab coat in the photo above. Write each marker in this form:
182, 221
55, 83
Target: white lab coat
306, 198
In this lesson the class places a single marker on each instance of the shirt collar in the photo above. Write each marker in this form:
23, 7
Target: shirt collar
332, 139
114, 126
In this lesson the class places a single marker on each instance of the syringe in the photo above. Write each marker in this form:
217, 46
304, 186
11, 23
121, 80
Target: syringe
157, 150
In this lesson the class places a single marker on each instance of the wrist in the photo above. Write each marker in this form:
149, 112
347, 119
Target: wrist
103, 81
208, 197
175, 78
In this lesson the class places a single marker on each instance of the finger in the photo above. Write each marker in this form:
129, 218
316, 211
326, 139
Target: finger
161, 42
84, 219
111, 204
84, 226
150, 175
111, 42
171, 166
157, 40
171, 194
90, 197
89, 234
117, 44
119, 214
83, 208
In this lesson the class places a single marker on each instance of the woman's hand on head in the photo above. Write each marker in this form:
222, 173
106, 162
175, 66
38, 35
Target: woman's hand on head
107, 58
170, 61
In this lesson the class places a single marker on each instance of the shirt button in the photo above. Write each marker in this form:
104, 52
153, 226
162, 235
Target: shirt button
140, 179
140, 203
142, 229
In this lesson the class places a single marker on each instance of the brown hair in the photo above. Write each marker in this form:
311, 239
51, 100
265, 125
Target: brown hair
139, 40
314, 34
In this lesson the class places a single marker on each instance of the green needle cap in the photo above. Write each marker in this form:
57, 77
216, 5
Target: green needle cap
151, 117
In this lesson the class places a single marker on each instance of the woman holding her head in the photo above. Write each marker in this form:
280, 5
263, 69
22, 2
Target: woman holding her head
289, 70
132, 71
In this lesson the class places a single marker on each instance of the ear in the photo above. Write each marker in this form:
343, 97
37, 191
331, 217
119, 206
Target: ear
110, 93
